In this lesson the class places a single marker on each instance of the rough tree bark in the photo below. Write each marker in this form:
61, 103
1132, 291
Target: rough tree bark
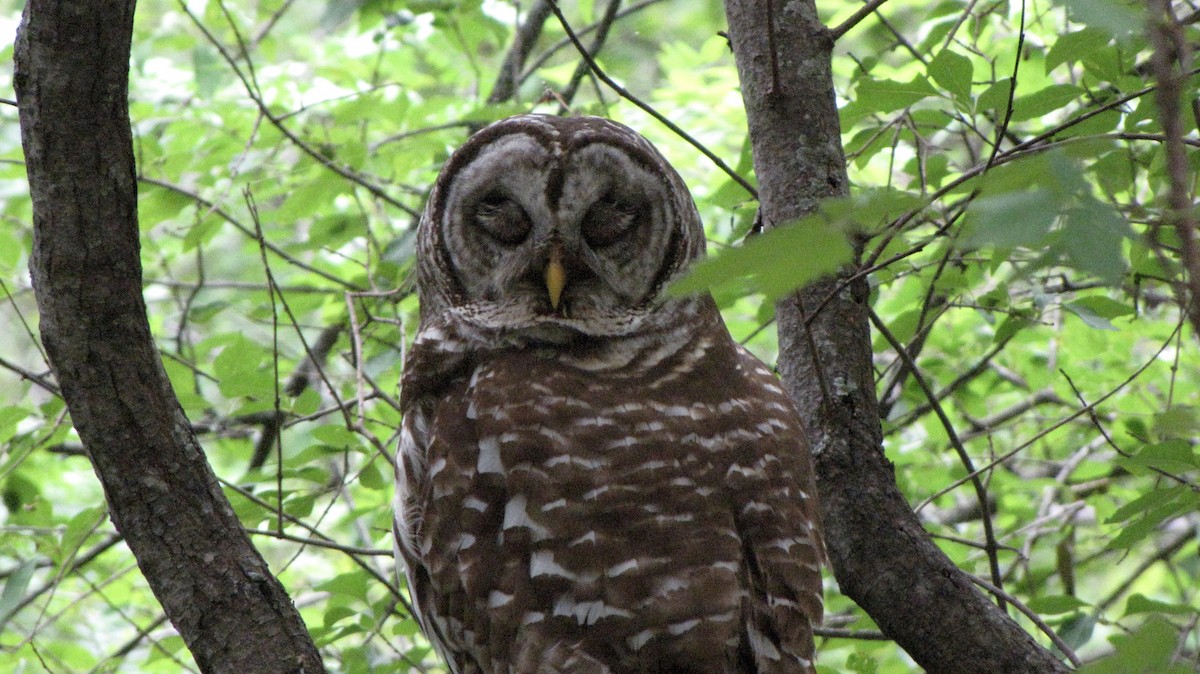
72, 69
881, 556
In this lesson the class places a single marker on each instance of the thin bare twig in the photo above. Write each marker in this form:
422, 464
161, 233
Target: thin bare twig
295, 323
253, 92
1003, 596
1172, 545
320, 543
862, 13
1091, 411
272, 294
841, 633
566, 42
604, 25
624, 93
1052, 427
1012, 93
12, 301
248, 231
963, 456
34, 377
250, 496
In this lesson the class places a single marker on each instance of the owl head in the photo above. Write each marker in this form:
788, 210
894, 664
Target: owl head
548, 228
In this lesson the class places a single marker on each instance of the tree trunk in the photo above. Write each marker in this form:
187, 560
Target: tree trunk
881, 556
72, 69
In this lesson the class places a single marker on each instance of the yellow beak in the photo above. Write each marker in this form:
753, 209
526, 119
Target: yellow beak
556, 276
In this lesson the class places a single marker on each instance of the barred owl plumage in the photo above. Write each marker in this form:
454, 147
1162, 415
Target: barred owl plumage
593, 476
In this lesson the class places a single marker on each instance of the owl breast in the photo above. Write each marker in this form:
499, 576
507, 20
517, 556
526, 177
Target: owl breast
610, 519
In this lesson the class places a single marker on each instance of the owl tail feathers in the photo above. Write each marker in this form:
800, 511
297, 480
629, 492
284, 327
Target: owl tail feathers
535, 658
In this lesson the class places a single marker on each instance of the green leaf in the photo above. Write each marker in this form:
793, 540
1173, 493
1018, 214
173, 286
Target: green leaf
1177, 421
300, 506
904, 326
184, 385
1044, 101
731, 194
10, 251
1076, 46
891, 95
773, 263
238, 370
14, 589
307, 402
165, 649
1139, 603
405, 628
1134, 532
860, 662
209, 70
20, 492
1077, 629
867, 143
239, 355
255, 384
336, 435
1089, 317
201, 231
371, 477
1146, 651
1093, 234
953, 72
994, 98
1171, 455
9, 418
77, 530
1056, 604
1105, 307
1115, 17
1011, 220
351, 584
1148, 501
1011, 326
338, 613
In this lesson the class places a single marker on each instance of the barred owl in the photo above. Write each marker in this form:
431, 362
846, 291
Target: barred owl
592, 475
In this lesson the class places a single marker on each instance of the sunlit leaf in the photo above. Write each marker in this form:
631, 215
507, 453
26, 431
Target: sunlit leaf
774, 263
891, 95
953, 71
1075, 46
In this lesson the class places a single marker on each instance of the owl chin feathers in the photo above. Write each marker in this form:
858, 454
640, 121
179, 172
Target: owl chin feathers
528, 323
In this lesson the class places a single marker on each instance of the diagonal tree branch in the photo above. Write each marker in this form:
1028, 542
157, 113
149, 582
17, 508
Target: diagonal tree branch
524, 38
72, 70
1171, 63
881, 556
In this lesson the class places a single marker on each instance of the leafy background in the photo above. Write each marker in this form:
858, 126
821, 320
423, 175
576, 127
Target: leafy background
284, 148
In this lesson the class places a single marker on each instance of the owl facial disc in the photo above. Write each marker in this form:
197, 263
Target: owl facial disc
542, 227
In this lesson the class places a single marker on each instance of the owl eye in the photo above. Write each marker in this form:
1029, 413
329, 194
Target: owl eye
608, 220
502, 218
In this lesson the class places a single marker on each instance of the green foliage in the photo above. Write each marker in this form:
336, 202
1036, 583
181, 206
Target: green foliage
1007, 205
1149, 650
769, 263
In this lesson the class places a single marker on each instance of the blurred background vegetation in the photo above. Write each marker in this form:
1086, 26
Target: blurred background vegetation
1020, 244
